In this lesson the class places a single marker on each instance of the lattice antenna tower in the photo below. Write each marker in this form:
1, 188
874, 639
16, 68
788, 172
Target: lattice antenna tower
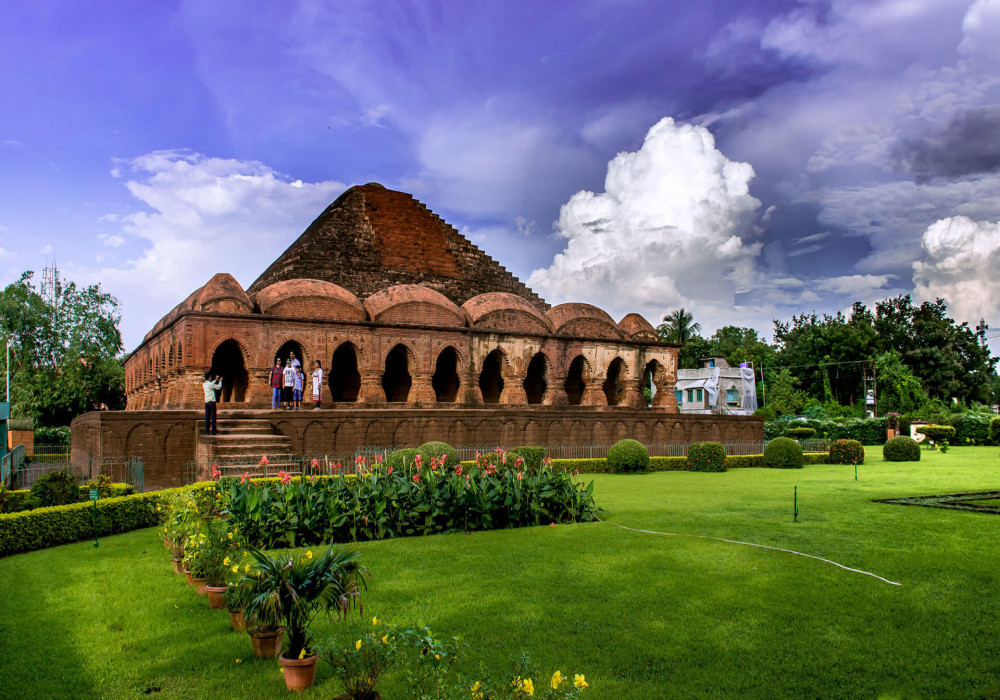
50, 280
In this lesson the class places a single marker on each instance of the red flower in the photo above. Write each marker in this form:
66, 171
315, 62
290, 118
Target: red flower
519, 476
315, 463
285, 477
263, 461
458, 470
245, 477
378, 458
215, 471
390, 470
416, 478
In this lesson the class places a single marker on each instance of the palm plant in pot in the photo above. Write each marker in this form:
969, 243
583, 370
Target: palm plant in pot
294, 590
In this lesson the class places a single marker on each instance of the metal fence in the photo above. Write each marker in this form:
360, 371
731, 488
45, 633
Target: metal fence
349, 462
49, 453
129, 470
10, 463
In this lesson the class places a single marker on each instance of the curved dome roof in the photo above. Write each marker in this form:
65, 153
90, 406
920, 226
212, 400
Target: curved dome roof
413, 304
635, 327
310, 298
224, 294
583, 320
503, 311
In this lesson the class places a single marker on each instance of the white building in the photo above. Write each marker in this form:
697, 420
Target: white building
717, 388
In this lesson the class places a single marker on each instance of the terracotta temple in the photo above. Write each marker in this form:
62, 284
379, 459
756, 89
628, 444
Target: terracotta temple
421, 336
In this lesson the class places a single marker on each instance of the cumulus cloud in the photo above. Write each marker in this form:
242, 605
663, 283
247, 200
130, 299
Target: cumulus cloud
202, 215
667, 231
960, 263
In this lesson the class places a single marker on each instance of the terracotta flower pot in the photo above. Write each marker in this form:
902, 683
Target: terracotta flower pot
178, 564
266, 645
201, 585
299, 673
215, 597
238, 621
167, 544
190, 578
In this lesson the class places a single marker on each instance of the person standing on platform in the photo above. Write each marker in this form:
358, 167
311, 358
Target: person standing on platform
277, 381
300, 385
295, 361
317, 384
288, 385
211, 385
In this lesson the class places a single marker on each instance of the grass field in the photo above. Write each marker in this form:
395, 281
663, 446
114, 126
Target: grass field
642, 615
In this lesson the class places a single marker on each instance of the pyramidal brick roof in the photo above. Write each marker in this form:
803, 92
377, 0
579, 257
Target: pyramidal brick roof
371, 238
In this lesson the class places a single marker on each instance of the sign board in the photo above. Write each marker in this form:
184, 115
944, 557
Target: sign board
93, 494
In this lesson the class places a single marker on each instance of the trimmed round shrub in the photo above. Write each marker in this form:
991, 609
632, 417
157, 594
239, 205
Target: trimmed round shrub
800, 433
56, 488
434, 450
706, 457
901, 449
847, 452
937, 432
628, 456
532, 456
402, 459
783, 453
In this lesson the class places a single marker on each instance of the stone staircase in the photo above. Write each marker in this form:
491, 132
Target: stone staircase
241, 443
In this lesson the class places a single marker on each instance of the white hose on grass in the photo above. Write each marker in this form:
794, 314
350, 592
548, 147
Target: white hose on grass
761, 546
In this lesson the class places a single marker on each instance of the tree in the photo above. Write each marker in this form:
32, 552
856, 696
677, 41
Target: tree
898, 389
782, 395
65, 350
678, 327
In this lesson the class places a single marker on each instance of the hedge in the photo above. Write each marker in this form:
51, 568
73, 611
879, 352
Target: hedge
867, 431
19, 500
47, 527
675, 464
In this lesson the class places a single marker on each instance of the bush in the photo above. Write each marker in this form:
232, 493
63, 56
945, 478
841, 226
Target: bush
592, 465
901, 449
706, 457
995, 430
800, 433
847, 452
51, 526
402, 459
783, 453
532, 456
434, 450
971, 429
52, 436
937, 432
56, 488
628, 456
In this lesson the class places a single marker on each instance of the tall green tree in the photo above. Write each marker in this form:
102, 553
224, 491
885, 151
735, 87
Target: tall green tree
65, 350
678, 327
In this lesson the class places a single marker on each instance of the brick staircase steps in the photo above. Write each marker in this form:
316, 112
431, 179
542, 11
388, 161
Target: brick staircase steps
245, 439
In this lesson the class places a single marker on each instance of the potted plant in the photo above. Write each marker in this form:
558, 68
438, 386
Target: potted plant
360, 664
294, 589
182, 522
216, 557
234, 605
262, 622
196, 561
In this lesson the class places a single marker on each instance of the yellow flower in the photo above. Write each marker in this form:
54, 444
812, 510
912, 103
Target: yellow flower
246, 568
437, 656
230, 535
476, 692
225, 562
580, 682
374, 621
385, 639
309, 554
236, 569
528, 687
557, 678
357, 645
282, 671
302, 654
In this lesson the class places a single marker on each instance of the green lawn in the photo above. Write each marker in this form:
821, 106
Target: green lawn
643, 616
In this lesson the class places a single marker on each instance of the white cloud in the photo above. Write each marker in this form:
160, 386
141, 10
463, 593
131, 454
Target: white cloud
980, 29
108, 217
960, 263
668, 231
205, 215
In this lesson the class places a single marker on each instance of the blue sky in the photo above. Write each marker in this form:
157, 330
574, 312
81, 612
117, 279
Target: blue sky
745, 160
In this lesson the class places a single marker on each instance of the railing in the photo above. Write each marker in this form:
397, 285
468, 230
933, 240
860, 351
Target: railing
346, 462
129, 470
9, 465
49, 453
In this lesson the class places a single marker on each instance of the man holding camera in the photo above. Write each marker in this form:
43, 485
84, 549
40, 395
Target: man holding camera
211, 385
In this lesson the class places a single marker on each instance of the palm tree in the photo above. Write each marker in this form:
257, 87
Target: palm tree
678, 327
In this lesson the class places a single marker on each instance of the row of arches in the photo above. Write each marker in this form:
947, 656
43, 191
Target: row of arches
495, 374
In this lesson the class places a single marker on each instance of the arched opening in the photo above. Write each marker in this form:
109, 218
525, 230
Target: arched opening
534, 381
648, 382
345, 380
613, 388
170, 357
445, 380
396, 380
574, 380
285, 353
227, 362
491, 378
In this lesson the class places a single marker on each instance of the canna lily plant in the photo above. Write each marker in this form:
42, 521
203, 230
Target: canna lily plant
292, 590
